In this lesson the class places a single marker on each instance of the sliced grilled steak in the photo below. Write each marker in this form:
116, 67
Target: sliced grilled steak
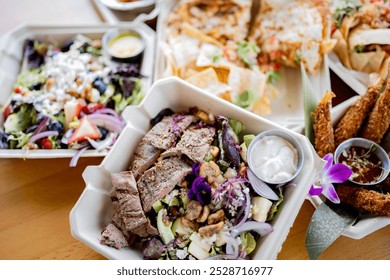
195, 143
172, 152
144, 157
128, 213
164, 134
159, 180
113, 237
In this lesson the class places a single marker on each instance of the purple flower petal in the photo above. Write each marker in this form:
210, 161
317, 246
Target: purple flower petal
338, 173
330, 193
196, 168
191, 195
198, 181
315, 190
329, 161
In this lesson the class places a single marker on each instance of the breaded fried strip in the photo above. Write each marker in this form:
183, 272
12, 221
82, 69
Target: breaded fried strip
322, 125
349, 126
379, 120
371, 201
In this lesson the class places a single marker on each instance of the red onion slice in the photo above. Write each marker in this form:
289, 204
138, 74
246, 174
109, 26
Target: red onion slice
261, 228
246, 211
42, 135
108, 111
104, 144
76, 157
109, 122
41, 125
260, 187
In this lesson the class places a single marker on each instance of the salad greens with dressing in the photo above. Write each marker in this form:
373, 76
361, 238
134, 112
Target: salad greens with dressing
216, 212
68, 98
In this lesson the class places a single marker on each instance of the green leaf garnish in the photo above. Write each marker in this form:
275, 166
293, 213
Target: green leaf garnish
309, 104
297, 59
359, 48
217, 58
273, 76
237, 126
246, 99
275, 207
326, 225
247, 52
347, 8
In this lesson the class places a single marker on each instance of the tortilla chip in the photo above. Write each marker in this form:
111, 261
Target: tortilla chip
383, 73
242, 79
367, 61
327, 46
341, 49
363, 37
348, 23
227, 96
203, 78
223, 74
193, 32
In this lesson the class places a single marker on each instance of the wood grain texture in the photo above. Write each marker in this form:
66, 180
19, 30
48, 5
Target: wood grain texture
36, 196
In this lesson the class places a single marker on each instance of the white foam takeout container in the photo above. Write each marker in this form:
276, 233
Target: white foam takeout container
93, 210
368, 223
287, 107
127, 6
11, 53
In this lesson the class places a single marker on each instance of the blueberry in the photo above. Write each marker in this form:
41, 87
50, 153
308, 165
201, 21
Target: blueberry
3, 140
110, 104
35, 86
67, 44
55, 126
100, 85
103, 132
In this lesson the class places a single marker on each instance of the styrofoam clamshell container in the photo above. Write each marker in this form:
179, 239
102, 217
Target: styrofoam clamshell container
93, 210
11, 55
287, 107
368, 223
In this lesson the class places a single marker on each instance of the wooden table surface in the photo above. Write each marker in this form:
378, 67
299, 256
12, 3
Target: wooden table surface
36, 196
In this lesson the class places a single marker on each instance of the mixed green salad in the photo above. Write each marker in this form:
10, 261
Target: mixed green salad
68, 97
196, 198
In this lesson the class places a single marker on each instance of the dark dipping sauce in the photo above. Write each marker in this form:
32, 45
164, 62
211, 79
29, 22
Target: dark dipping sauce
365, 164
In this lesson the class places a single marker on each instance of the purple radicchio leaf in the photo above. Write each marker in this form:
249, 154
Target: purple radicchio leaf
229, 144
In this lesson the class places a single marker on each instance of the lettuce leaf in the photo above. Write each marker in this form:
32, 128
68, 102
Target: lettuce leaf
249, 242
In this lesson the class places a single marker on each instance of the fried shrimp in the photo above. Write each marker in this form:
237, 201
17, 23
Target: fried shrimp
379, 120
368, 200
322, 125
349, 126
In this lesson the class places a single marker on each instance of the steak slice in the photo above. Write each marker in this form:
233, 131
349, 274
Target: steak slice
195, 143
164, 134
159, 180
128, 213
144, 157
113, 237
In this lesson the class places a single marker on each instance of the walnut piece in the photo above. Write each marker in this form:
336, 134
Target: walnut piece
194, 209
216, 217
210, 230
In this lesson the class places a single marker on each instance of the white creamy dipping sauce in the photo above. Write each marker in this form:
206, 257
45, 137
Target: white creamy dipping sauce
274, 159
125, 45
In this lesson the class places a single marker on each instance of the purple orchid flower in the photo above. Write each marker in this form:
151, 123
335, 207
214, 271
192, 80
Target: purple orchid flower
336, 173
200, 191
